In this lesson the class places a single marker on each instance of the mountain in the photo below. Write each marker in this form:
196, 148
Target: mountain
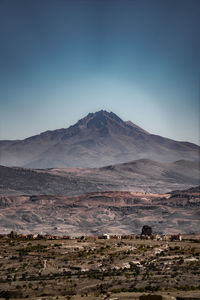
99, 139
139, 176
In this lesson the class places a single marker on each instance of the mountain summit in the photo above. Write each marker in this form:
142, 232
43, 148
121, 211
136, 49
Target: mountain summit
99, 139
105, 123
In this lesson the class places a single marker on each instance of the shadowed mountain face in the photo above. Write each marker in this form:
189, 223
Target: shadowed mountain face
97, 140
139, 176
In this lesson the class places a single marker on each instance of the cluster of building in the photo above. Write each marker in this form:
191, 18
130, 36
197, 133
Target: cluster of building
157, 237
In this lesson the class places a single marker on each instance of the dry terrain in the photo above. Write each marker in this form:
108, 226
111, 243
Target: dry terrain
102, 176
90, 268
101, 212
142, 175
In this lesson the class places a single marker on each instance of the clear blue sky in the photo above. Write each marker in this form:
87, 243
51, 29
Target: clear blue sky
61, 59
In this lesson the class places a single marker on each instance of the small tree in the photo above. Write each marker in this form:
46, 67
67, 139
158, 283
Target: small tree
146, 230
13, 234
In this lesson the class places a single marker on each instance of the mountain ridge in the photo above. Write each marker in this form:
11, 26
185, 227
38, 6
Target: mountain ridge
139, 176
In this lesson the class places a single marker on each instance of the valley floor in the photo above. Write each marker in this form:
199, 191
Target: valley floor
90, 268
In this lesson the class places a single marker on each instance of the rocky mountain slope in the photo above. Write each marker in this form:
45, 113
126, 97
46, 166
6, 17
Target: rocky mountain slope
97, 140
141, 175
102, 212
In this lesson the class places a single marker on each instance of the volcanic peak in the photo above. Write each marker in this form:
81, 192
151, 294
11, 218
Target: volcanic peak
107, 122
97, 117
99, 139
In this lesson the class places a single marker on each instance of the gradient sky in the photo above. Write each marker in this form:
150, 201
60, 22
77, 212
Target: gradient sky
61, 59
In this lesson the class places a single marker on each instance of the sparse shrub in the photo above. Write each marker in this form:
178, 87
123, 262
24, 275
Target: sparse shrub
18, 287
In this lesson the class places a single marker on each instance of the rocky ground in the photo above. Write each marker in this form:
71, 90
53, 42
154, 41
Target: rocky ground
102, 212
91, 268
